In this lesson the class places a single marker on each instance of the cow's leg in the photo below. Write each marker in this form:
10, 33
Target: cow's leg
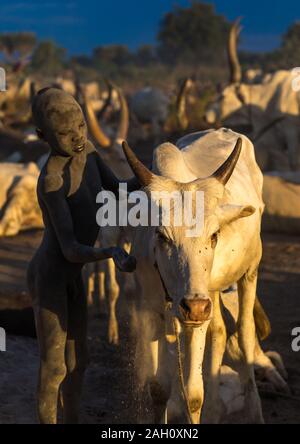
50, 309
192, 361
156, 361
195, 339
150, 324
159, 382
101, 286
217, 341
246, 338
76, 352
277, 361
113, 290
94, 279
89, 281
266, 372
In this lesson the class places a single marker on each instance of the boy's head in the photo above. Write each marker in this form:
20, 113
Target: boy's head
59, 121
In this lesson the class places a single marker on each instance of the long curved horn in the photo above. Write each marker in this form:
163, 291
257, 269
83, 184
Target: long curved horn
181, 104
78, 90
143, 175
233, 60
96, 131
224, 172
122, 130
32, 91
23, 88
110, 89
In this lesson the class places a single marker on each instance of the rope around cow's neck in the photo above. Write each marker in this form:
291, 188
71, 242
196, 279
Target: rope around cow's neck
180, 371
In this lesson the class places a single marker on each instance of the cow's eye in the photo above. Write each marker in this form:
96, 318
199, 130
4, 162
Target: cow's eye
214, 239
162, 237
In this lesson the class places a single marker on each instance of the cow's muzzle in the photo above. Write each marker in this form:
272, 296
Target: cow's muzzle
195, 310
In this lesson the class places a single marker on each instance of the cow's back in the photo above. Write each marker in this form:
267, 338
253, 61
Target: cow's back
200, 156
11, 173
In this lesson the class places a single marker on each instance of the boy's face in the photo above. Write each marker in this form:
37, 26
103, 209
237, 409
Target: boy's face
65, 128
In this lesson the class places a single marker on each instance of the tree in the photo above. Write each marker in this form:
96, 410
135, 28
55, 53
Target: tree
17, 45
290, 47
48, 58
192, 34
118, 55
145, 55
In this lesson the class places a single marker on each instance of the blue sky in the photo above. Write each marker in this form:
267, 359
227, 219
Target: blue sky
80, 25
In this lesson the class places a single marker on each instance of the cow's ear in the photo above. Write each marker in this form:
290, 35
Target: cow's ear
229, 213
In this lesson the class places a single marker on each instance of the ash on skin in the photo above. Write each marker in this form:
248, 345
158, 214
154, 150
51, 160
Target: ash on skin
67, 188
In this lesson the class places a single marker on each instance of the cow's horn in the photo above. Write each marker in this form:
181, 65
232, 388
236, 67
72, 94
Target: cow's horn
32, 91
141, 172
110, 89
181, 104
124, 117
95, 129
224, 172
233, 60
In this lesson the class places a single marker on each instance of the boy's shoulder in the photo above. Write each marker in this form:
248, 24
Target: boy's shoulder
90, 148
50, 182
51, 179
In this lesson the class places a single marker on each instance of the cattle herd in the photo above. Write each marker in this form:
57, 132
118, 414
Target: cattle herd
196, 320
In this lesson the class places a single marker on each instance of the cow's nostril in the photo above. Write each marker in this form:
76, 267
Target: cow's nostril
185, 305
196, 309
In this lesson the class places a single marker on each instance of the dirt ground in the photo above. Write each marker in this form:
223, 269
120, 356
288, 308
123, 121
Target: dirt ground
109, 384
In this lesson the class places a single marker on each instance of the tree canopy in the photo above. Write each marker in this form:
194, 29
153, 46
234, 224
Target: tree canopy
48, 58
290, 48
16, 45
192, 34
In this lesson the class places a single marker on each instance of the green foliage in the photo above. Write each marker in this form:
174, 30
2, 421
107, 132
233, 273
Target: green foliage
15, 45
191, 42
289, 54
285, 57
48, 58
193, 34
145, 55
118, 55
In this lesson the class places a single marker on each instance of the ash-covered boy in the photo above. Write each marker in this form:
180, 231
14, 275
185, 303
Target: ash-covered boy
67, 187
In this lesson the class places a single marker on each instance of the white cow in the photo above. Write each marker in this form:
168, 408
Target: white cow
19, 208
193, 270
269, 109
281, 194
151, 106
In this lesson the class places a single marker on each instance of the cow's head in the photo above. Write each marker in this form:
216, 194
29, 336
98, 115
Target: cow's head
185, 262
231, 106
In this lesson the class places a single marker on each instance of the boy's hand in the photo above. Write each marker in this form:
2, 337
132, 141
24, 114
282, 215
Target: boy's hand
122, 260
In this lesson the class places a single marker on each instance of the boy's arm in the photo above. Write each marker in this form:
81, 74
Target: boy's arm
111, 182
73, 251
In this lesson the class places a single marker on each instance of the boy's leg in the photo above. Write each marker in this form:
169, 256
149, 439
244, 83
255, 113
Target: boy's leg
76, 351
50, 309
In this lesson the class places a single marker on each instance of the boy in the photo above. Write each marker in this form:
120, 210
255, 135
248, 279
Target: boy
67, 189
